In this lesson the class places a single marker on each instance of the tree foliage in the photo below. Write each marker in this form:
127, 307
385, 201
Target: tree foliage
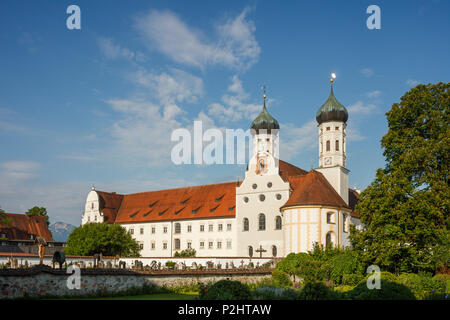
406, 208
38, 211
108, 239
190, 252
4, 218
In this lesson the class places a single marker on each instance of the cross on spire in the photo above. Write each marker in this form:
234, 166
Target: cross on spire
263, 87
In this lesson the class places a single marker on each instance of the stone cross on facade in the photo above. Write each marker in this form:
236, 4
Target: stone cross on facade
260, 251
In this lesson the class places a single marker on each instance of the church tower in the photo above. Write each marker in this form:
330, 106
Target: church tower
264, 129
332, 122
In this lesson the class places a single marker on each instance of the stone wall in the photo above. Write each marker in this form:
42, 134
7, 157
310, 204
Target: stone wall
43, 280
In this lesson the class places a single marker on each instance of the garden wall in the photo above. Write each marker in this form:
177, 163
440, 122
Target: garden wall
43, 280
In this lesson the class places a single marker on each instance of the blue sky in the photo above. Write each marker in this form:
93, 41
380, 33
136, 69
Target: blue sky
97, 106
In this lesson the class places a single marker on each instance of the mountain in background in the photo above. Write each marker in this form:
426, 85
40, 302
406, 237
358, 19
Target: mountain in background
61, 230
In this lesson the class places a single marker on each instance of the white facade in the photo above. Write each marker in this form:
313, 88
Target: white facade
92, 209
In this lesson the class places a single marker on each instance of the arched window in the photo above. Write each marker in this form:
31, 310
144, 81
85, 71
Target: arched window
337, 145
329, 239
261, 222
250, 251
274, 251
344, 223
245, 222
177, 228
278, 223
328, 145
177, 244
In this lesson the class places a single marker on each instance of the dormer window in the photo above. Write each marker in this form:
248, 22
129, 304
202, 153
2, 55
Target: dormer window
220, 198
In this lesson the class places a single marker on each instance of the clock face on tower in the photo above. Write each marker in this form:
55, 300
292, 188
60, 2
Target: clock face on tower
327, 161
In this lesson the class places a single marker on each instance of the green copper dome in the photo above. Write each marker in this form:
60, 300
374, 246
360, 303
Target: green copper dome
331, 110
264, 121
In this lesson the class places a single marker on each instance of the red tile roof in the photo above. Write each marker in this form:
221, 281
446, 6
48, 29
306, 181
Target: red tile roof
353, 199
109, 205
22, 226
289, 170
313, 189
210, 201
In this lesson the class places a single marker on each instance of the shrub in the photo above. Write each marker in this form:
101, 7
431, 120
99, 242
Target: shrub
389, 290
445, 280
351, 279
226, 290
170, 264
421, 285
274, 293
190, 252
281, 279
344, 262
317, 291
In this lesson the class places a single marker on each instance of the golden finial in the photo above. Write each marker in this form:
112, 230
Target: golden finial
264, 90
333, 76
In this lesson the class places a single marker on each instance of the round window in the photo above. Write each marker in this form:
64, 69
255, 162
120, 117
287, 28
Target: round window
278, 196
269, 184
245, 199
262, 197
254, 186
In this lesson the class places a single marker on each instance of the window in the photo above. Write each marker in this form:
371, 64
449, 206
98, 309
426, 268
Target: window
89, 219
329, 239
261, 222
153, 230
278, 196
220, 227
92, 206
274, 251
229, 244
210, 228
202, 227
141, 246
219, 244
250, 251
269, 185
328, 128
337, 128
328, 145
189, 245
177, 244
228, 226
245, 223
278, 223
141, 231
337, 145
165, 229
254, 186
95, 218
202, 244
210, 245
131, 231
330, 217
344, 223
177, 228
189, 228
262, 197
153, 245
245, 199
164, 245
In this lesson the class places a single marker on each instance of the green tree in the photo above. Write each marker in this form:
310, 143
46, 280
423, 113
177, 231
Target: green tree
108, 239
406, 208
38, 211
3, 217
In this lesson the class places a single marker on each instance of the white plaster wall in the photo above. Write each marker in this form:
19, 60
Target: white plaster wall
91, 209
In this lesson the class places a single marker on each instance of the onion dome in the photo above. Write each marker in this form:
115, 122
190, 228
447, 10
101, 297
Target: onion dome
332, 110
264, 120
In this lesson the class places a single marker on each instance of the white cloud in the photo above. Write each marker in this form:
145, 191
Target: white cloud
113, 51
412, 82
367, 72
360, 107
374, 94
294, 140
234, 107
20, 165
233, 46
